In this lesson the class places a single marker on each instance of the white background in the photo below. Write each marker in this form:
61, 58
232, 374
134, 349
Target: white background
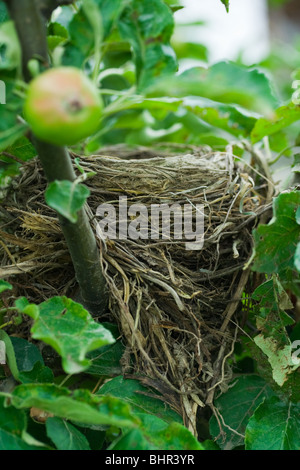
244, 30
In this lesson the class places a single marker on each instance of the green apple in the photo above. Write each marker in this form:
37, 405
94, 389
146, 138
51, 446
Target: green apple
63, 106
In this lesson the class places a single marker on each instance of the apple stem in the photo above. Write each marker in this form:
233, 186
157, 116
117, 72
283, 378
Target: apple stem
56, 162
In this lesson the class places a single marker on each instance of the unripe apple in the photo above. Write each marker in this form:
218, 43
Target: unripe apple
62, 106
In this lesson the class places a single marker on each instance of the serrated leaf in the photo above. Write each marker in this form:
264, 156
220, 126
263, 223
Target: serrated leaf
275, 425
275, 243
235, 407
224, 82
67, 198
80, 405
71, 331
65, 436
229, 118
282, 118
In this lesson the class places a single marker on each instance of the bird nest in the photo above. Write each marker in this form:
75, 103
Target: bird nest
176, 303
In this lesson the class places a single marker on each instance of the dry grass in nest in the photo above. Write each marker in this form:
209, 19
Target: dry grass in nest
175, 307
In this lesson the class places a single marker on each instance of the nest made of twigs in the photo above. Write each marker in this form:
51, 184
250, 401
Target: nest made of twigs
174, 306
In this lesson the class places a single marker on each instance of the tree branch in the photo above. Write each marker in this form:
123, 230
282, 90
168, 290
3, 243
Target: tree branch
56, 161
31, 31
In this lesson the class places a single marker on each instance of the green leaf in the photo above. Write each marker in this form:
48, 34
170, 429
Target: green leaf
21, 148
10, 51
282, 118
67, 198
141, 399
171, 437
275, 243
65, 436
106, 360
279, 356
10, 129
175, 436
132, 440
226, 4
13, 425
30, 362
4, 285
232, 119
275, 425
9, 136
80, 406
3, 13
272, 321
70, 330
224, 82
148, 27
235, 407
110, 12
297, 258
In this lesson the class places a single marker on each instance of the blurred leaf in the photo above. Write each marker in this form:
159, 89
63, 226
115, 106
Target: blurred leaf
226, 3
282, 118
10, 51
225, 82
67, 198
3, 13
65, 15
79, 405
232, 119
274, 426
148, 27
65, 436
70, 330
9, 113
4, 285
235, 407
9, 136
22, 148
297, 258
190, 50
275, 243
